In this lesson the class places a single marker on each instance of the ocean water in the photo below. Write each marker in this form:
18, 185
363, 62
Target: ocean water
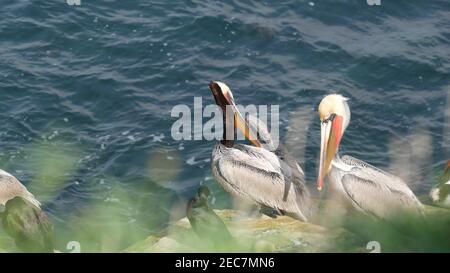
86, 93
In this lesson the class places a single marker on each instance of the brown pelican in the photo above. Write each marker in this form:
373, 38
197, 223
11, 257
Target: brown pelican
266, 176
364, 187
22, 216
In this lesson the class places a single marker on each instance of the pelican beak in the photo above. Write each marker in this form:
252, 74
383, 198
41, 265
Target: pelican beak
330, 137
225, 100
242, 125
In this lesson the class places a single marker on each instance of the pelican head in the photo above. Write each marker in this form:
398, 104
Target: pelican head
222, 94
225, 100
334, 117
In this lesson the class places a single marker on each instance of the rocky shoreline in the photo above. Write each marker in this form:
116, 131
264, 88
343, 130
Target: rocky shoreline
265, 234
254, 234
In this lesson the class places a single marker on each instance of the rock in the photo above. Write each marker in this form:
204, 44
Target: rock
262, 234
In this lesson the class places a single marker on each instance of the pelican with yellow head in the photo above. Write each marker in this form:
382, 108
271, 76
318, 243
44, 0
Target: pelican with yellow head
363, 186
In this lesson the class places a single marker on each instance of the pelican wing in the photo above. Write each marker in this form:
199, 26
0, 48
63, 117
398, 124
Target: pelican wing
246, 167
10, 187
377, 192
259, 175
296, 175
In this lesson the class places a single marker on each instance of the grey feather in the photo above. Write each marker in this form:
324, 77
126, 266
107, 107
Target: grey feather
261, 176
376, 192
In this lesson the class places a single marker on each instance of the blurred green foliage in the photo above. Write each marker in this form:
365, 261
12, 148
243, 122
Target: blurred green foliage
122, 213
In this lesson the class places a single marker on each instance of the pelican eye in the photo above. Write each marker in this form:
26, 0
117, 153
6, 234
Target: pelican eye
329, 118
